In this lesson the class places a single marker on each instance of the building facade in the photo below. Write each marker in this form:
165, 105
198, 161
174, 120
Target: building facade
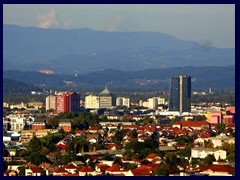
180, 94
123, 101
67, 102
50, 102
106, 99
91, 102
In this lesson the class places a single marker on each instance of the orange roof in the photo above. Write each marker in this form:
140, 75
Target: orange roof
218, 168
102, 166
110, 146
35, 169
60, 170
141, 171
70, 166
152, 155
114, 168
86, 169
81, 131
125, 158
45, 165
30, 165
191, 123
70, 175
121, 174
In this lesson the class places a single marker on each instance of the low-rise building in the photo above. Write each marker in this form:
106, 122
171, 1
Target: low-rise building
201, 153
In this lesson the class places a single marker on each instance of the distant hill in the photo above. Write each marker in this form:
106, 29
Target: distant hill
146, 80
12, 86
86, 50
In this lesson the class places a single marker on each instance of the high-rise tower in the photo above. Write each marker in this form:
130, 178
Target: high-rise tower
67, 102
106, 99
180, 94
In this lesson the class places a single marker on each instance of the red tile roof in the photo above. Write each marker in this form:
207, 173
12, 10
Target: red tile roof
152, 155
114, 168
45, 165
81, 132
86, 169
121, 174
103, 166
141, 171
71, 166
61, 146
70, 175
60, 170
110, 146
191, 123
35, 169
218, 168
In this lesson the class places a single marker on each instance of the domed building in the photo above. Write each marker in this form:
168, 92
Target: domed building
106, 99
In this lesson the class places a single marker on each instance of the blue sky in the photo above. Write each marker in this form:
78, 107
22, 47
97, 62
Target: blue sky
208, 24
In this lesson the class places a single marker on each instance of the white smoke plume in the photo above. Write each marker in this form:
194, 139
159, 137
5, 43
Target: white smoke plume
48, 19
118, 22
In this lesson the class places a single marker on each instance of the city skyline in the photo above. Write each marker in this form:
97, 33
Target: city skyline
211, 25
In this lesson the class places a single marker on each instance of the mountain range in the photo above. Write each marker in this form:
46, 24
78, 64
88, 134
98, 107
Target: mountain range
68, 51
204, 77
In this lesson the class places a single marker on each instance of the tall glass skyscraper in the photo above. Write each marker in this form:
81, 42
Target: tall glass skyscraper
180, 94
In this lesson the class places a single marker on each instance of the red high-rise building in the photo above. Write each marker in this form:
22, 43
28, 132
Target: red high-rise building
67, 102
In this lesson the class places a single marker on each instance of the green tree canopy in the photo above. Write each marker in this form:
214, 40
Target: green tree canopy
35, 145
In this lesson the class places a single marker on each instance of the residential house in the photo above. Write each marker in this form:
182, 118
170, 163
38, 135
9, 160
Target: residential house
59, 171
71, 168
201, 153
10, 172
62, 145
8, 159
219, 140
86, 171
167, 148
27, 135
195, 125
152, 157
92, 138
142, 170
65, 125
217, 170
199, 141
93, 129
47, 167
112, 147
101, 167
33, 171
39, 124
116, 169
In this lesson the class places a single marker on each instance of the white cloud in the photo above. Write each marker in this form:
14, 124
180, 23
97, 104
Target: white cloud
118, 22
48, 19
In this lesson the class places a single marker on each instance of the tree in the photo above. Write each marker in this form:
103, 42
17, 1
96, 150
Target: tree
186, 152
23, 153
5, 152
37, 158
147, 120
220, 127
5, 165
163, 171
231, 157
52, 123
230, 148
208, 160
35, 145
21, 170
134, 133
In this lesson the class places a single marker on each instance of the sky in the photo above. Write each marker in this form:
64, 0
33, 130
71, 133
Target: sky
211, 25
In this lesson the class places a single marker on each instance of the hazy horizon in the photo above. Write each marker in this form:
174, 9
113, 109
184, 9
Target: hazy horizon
211, 25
